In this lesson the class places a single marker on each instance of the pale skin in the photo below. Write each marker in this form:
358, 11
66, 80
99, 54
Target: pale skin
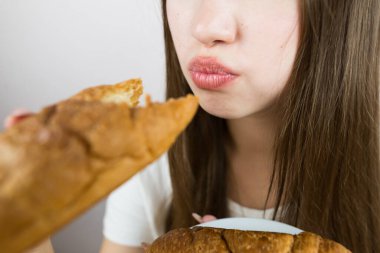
258, 39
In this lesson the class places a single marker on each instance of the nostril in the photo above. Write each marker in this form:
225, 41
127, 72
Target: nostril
215, 42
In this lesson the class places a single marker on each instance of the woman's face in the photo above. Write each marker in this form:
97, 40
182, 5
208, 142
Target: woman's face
236, 55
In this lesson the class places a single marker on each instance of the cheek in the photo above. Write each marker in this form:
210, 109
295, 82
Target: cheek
178, 14
270, 47
271, 64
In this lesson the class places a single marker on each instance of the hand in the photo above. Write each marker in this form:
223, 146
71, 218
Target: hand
145, 246
16, 116
203, 219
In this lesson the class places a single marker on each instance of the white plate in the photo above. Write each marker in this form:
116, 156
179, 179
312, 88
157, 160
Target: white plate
252, 224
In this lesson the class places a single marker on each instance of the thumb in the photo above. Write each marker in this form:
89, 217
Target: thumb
15, 117
208, 217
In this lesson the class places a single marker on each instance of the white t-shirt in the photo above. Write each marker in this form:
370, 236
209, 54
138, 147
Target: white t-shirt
136, 211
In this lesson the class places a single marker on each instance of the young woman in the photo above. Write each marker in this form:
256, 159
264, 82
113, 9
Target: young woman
288, 127
289, 121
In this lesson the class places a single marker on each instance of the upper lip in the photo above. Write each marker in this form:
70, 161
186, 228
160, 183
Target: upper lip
209, 65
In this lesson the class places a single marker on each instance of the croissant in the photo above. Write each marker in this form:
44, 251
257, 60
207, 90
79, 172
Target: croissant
60, 162
217, 240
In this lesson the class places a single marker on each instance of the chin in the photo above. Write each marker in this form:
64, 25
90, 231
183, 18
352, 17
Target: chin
229, 110
223, 111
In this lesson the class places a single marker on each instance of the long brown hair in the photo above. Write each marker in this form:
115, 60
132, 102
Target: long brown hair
327, 164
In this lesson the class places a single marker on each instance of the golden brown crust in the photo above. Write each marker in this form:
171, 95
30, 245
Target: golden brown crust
124, 92
245, 241
58, 163
210, 240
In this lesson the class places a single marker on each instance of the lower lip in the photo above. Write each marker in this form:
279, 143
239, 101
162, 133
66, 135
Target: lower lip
211, 81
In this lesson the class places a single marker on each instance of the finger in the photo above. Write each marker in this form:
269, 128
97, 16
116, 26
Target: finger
145, 245
14, 118
197, 217
208, 218
8, 122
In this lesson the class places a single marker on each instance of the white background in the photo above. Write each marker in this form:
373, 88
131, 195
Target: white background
51, 49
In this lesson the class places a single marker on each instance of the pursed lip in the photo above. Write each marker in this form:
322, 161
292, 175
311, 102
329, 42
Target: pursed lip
209, 73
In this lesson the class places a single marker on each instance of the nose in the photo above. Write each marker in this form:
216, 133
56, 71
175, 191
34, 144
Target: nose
214, 24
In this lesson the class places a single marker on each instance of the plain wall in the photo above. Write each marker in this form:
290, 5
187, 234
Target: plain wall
51, 49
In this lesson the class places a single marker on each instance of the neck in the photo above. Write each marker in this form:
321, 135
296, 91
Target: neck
251, 156
253, 136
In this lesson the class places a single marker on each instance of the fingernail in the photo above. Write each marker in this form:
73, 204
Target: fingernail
197, 217
208, 217
20, 111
